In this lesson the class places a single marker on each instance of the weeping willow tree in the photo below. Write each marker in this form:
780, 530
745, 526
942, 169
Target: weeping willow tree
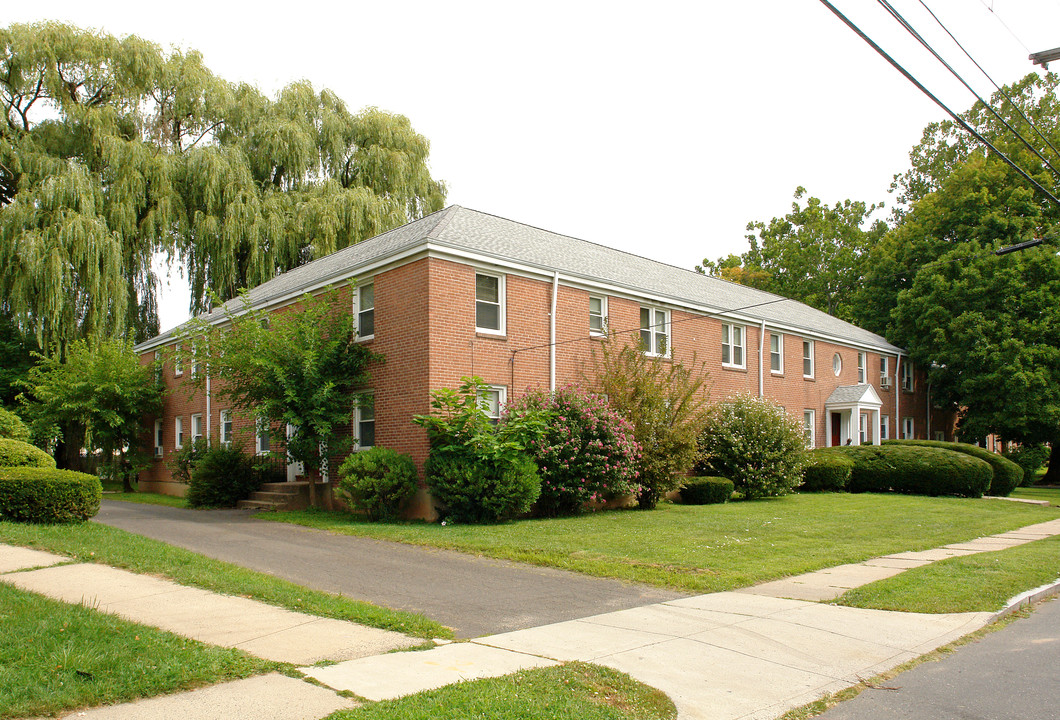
112, 150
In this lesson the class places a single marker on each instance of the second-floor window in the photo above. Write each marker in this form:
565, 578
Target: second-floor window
862, 377
655, 331
776, 353
732, 345
907, 376
597, 315
885, 372
489, 303
807, 358
365, 310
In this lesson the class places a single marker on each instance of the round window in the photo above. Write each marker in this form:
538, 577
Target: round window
837, 364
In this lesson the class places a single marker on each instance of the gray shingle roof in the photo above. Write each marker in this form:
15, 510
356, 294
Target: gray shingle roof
459, 228
852, 394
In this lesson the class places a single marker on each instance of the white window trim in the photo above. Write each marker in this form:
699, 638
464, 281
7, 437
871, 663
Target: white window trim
501, 298
261, 428
159, 450
358, 418
911, 424
885, 373
907, 374
837, 364
885, 427
863, 372
603, 316
196, 417
653, 330
502, 399
811, 441
729, 330
225, 416
357, 309
178, 433
178, 366
780, 352
813, 365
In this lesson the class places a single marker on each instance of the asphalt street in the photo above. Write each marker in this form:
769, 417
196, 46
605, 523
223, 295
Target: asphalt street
1010, 674
475, 596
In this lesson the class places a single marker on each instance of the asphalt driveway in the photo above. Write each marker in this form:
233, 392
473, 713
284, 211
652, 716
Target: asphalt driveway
474, 596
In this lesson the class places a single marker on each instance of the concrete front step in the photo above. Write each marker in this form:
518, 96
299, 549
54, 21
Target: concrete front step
278, 496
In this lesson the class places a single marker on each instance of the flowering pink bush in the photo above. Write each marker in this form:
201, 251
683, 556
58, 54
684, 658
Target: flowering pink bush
587, 452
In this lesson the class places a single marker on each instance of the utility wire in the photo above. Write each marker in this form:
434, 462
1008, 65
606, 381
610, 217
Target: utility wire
957, 118
987, 75
990, 7
927, 46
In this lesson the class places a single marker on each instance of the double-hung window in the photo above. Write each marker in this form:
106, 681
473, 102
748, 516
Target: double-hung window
158, 438
597, 315
807, 358
885, 427
178, 366
655, 331
908, 430
907, 376
776, 353
196, 427
178, 433
732, 345
491, 399
809, 427
365, 419
226, 427
262, 441
489, 303
365, 310
862, 374
885, 372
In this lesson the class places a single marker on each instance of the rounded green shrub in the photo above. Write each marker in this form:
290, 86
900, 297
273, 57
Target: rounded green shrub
47, 495
480, 490
827, 471
12, 427
377, 481
1030, 458
222, 476
706, 491
916, 470
1007, 474
15, 453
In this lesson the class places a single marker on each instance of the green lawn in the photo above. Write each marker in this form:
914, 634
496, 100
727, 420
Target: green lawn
55, 656
709, 548
574, 690
1038, 493
972, 583
146, 498
92, 542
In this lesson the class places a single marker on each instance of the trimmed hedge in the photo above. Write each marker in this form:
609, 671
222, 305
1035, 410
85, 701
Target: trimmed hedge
47, 495
481, 491
221, 477
15, 453
1007, 474
916, 470
706, 491
377, 481
829, 470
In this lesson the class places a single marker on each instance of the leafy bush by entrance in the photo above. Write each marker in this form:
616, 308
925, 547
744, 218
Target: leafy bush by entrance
47, 495
377, 481
222, 477
482, 491
706, 491
1030, 458
15, 453
1007, 474
826, 471
755, 443
916, 470
586, 453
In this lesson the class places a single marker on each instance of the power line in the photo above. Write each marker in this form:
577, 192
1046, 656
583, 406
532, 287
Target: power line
990, 7
956, 118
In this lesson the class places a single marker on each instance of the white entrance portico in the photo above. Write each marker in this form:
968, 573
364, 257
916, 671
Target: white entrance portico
852, 416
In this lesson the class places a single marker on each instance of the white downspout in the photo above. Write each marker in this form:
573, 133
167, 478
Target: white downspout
207, 407
897, 397
761, 355
552, 334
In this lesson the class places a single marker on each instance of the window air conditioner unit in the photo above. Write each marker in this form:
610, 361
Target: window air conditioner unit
885, 383
158, 451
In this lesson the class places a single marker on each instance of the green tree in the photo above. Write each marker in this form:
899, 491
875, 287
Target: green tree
16, 352
105, 390
814, 254
112, 150
300, 367
664, 400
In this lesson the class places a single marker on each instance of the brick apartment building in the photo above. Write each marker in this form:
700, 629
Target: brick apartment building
462, 293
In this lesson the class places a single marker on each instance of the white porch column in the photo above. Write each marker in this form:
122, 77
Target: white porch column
827, 428
876, 438
855, 425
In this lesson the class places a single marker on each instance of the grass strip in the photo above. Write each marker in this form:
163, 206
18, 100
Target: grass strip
710, 548
970, 583
146, 498
573, 690
56, 656
93, 542
1038, 493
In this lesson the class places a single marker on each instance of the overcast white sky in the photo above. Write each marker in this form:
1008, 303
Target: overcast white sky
659, 128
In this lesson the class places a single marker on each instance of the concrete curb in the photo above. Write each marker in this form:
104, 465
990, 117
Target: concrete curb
1028, 598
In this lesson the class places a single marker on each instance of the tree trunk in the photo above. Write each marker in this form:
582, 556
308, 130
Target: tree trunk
68, 449
1052, 473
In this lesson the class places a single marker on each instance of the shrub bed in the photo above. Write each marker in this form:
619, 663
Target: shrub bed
47, 495
1030, 458
12, 427
221, 477
828, 471
479, 490
916, 470
15, 453
1007, 474
706, 491
377, 482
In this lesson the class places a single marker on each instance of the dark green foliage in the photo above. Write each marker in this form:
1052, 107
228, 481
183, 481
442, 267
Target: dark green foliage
12, 427
1007, 474
706, 491
47, 495
1030, 458
482, 490
916, 471
222, 477
828, 470
184, 461
15, 453
377, 481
